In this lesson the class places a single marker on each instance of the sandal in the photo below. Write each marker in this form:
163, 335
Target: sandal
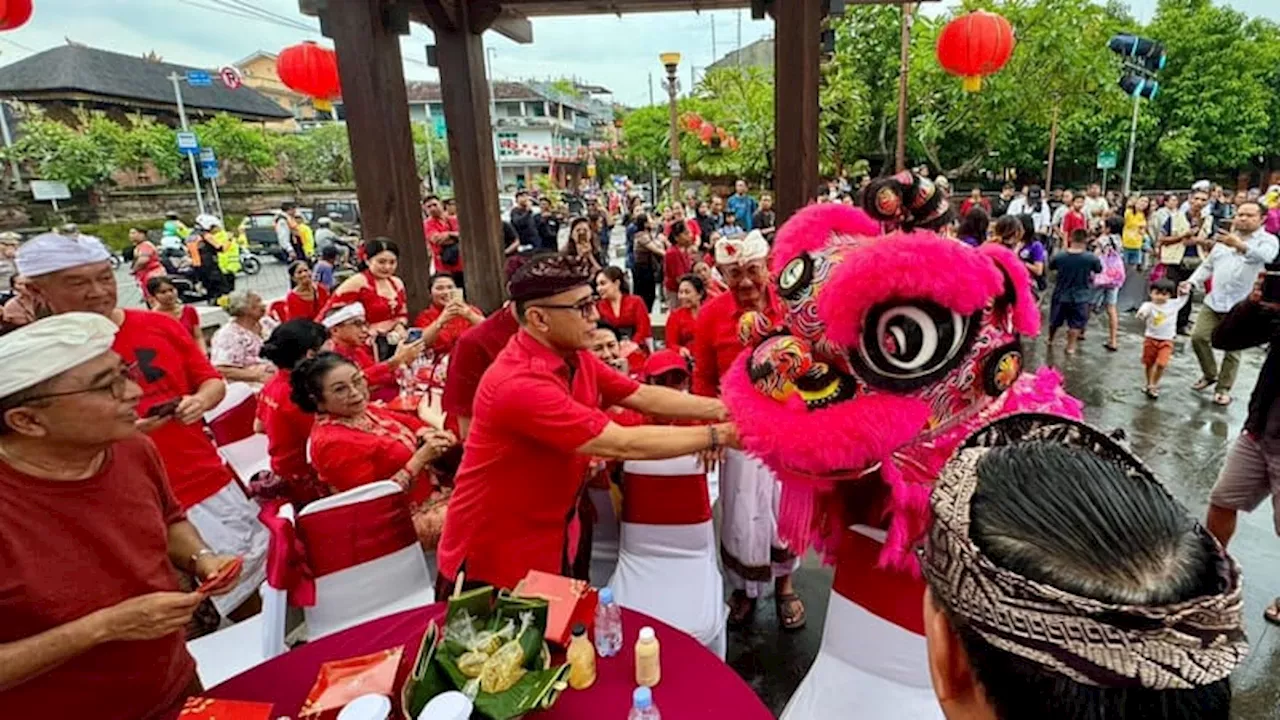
1222, 399
1272, 613
1152, 393
742, 609
1110, 347
790, 611
1203, 383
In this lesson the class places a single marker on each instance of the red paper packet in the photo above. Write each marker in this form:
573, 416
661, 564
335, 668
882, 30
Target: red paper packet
571, 602
223, 577
341, 681
198, 708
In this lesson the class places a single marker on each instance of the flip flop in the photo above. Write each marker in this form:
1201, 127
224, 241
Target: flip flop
1272, 613
791, 620
1203, 383
1151, 392
1110, 347
1222, 399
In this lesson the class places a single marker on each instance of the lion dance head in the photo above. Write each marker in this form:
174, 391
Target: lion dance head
893, 347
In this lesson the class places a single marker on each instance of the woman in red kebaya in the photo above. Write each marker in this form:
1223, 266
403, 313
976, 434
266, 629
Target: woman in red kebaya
349, 331
287, 426
164, 299
448, 317
378, 289
714, 285
307, 297
622, 310
683, 321
354, 443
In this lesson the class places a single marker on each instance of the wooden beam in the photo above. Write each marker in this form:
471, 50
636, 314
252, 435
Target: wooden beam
439, 14
464, 92
513, 26
481, 14
797, 54
378, 127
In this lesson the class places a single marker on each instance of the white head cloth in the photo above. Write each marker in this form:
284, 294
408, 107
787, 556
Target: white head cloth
49, 347
1201, 186
741, 250
343, 314
54, 252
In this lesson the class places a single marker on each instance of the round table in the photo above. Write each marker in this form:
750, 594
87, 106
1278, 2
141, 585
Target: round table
695, 683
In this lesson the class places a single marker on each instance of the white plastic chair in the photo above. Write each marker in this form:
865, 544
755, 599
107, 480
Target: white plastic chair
867, 665
232, 650
383, 586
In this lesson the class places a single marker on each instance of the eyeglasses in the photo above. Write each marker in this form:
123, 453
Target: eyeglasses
117, 385
357, 387
585, 307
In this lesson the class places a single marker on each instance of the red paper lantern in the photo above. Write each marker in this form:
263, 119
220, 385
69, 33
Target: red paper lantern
311, 70
975, 45
706, 132
14, 13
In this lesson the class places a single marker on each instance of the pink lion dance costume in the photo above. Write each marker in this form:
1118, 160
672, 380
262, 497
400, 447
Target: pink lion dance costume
893, 348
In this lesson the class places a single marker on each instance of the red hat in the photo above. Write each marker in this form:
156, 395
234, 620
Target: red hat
664, 361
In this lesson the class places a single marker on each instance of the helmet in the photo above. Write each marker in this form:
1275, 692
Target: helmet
171, 215
207, 222
323, 222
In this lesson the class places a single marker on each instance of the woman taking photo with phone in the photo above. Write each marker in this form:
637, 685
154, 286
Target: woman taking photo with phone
380, 292
448, 317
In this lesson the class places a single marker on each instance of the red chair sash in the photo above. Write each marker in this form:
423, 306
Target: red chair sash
894, 596
332, 540
235, 424
665, 499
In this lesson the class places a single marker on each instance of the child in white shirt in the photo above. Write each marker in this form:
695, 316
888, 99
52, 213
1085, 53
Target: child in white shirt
1161, 314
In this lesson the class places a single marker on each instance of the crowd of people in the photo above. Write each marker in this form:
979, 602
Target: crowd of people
102, 407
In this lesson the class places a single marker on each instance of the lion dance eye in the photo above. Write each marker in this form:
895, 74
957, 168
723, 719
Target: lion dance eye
906, 346
795, 277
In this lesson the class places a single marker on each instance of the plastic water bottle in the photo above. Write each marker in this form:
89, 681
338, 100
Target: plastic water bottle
642, 706
608, 625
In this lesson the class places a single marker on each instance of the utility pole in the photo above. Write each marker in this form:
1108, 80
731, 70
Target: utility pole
904, 62
176, 79
739, 37
714, 56
1133, 139
8, 143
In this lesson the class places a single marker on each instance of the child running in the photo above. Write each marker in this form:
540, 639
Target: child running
1161, 314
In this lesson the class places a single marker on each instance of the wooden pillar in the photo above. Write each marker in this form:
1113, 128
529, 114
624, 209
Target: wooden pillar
377, 109
465, 93
796, 57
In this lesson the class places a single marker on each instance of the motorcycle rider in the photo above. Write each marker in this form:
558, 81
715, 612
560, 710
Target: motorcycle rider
203, 250
228, 256
174, 233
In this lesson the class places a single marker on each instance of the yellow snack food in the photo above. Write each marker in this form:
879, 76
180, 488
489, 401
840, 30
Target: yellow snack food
470, 664
503, 669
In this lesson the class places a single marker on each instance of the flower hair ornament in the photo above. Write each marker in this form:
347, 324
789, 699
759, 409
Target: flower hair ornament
1177, 646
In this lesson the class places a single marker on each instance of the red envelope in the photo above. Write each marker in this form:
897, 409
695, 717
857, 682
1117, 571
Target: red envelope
223, 577
198, 708
341, 681
570, 602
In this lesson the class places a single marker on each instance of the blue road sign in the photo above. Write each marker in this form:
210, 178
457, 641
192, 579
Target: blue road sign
199, 78
209, 172
207, 156
188, 144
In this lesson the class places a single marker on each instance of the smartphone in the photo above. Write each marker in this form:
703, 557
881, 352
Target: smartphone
164, 409
415, 334
457, 295
1271, 286
1224, 225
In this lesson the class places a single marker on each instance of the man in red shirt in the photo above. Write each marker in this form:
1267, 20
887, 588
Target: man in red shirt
349, 337
441, 231
751, 551
1074, 219
538, 420
91, 617
73, 274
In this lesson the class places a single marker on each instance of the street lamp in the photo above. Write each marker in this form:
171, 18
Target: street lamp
671, 61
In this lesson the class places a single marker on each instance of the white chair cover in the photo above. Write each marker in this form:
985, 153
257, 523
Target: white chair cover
670, 571
868, 666
237, 393
390, 584
232, 650
247, 457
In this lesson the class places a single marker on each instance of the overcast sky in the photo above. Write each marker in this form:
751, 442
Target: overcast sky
619, 53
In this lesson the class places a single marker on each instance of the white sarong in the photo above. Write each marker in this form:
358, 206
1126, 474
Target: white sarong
228, 523
750, 550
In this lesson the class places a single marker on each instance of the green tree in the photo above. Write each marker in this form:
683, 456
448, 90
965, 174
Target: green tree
235, 143
57, 152
424, 137
320, 155
147, 143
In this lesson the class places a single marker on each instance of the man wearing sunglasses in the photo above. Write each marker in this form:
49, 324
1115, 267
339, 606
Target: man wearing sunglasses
91, 616
539, 418
72, 273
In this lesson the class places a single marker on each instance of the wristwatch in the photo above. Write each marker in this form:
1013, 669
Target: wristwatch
195, 557
715, 437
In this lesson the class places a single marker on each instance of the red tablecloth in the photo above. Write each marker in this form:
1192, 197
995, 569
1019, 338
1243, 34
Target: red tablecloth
695, 683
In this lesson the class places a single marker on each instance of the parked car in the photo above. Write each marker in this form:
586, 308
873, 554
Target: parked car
346, 212
261, 233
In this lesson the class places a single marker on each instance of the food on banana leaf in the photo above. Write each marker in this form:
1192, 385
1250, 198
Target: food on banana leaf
471, 663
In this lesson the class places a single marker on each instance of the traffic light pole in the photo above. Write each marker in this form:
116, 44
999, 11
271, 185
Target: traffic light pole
1133, 138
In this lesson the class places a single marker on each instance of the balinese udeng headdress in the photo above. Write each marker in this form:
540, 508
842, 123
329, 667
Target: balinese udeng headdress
892, 349
1181, 645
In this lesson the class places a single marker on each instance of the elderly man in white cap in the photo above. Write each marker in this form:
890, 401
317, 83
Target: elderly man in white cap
91, 616
752, 553
72, 273
349, 336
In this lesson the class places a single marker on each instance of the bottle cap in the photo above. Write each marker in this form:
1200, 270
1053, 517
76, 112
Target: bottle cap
642, 698
606, 596
579, 629
646, 633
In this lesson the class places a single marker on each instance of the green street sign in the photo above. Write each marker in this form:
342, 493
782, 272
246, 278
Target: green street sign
1106, 159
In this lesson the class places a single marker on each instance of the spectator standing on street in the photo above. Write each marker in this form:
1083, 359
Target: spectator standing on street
743, 206
975, 199
1096, 208
323, 271
1179, 249
1234, 263
441, 232
766, 219
1134, 238
548, 224
973, 228
1073, 219
677, 262
1253, 463
584, 242
286, 227
1034, 205
1073, 290
525, 221
650, 248
1000, 203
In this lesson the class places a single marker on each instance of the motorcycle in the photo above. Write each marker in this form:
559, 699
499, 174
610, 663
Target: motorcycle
249, 263
185, 278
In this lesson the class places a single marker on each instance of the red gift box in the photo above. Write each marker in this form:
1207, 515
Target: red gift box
198, 708
570, 602
341, 681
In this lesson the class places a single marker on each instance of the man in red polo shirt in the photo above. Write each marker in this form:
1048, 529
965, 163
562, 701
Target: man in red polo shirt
91, 616
441, 232
750, 548
538, 420
73, 274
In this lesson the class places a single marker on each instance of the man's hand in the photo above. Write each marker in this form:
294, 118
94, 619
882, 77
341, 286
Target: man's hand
1233, 241
208, 565
407, 352
148, 617
190, 410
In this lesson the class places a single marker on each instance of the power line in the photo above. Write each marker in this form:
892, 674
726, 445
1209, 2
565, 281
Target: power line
17, 44
265, 14
240, 13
